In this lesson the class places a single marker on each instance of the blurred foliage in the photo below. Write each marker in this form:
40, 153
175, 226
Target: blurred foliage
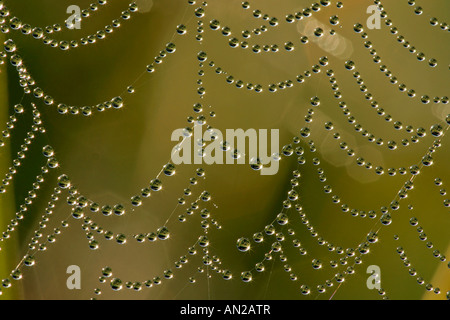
112, 155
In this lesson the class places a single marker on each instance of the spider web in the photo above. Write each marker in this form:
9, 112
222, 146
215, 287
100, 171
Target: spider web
86, 151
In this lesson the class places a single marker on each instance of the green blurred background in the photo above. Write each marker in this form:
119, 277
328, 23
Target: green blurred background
111, 156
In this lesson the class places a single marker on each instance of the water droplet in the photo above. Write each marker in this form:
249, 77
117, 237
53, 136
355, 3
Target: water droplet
121, 238
282, 219
203, 241
334, 20
163, 233
227, 275
156, 185
305, 290
316, 264
358, 28
169, 169
386, 219
48, 151
117, 102
246, 276
255, 164
16, 274
437, 130
116, 284
349, 65
243, 244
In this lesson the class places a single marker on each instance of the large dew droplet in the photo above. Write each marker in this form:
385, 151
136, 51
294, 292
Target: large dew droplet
169, 169
246, 276
163, 233
116, 284
243, 244
48, 151
156, 185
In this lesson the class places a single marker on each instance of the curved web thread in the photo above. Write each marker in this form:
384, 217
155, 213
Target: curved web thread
81, 204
